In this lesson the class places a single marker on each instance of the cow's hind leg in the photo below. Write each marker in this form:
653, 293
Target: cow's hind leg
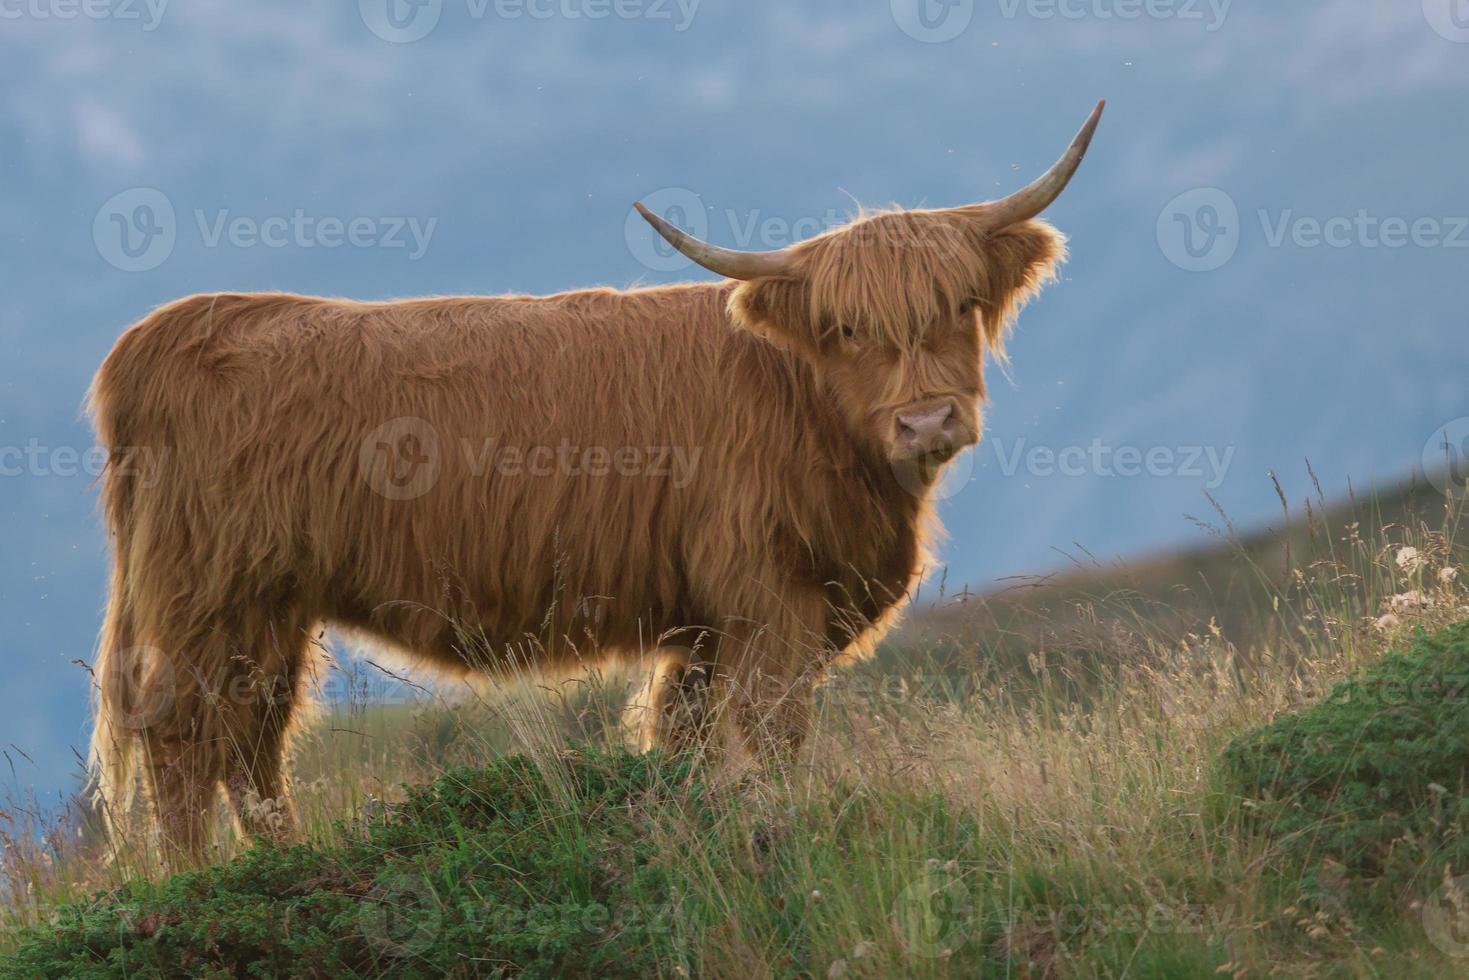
222, 712
182, 773
672, 711
268, 678
179, 725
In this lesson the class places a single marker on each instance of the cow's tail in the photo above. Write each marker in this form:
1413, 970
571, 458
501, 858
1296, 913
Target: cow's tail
117, 675
121, 675
121, 667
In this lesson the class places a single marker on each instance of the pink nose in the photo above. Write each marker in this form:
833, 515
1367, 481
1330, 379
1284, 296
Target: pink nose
925, 431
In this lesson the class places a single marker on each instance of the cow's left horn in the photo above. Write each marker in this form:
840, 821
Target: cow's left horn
725, 261
1026, 204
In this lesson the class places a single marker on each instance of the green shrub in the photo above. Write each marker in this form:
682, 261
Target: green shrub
480, 874
1369, 787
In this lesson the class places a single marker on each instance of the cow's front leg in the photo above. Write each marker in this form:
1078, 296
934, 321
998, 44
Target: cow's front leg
768, 668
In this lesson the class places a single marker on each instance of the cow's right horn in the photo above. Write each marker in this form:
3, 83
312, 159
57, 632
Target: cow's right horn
725, 261
1031, 201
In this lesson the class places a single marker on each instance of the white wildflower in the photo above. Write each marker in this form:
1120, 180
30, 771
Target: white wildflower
1413, 599
1409, 560
1388, 622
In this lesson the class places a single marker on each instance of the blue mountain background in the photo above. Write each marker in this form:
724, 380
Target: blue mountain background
1199, 312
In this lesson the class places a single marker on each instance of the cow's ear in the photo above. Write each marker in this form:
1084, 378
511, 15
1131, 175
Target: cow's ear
1018, 262
779, 310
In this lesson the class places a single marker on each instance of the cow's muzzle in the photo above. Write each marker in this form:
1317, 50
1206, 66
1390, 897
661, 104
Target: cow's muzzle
926, 432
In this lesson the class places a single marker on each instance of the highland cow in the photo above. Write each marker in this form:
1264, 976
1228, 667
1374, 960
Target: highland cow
733, 477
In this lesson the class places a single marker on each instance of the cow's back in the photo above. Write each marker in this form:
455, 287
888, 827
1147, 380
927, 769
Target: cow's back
384, 456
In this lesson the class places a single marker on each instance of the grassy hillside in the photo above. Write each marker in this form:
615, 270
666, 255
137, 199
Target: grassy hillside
1160, 770
1322, 572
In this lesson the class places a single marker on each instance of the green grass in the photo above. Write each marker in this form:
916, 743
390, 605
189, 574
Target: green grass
611, 865
478, 872
1367, 792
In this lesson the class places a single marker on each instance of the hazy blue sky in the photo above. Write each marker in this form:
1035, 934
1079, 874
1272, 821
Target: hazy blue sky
1270, 238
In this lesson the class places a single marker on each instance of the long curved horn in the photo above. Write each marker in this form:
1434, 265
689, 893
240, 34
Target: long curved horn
725, 261
1026, 204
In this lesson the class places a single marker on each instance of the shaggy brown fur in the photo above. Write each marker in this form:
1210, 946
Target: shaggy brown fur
326, 461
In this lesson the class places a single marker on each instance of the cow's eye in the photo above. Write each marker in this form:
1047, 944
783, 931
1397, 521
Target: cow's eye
966, 307
848, 332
